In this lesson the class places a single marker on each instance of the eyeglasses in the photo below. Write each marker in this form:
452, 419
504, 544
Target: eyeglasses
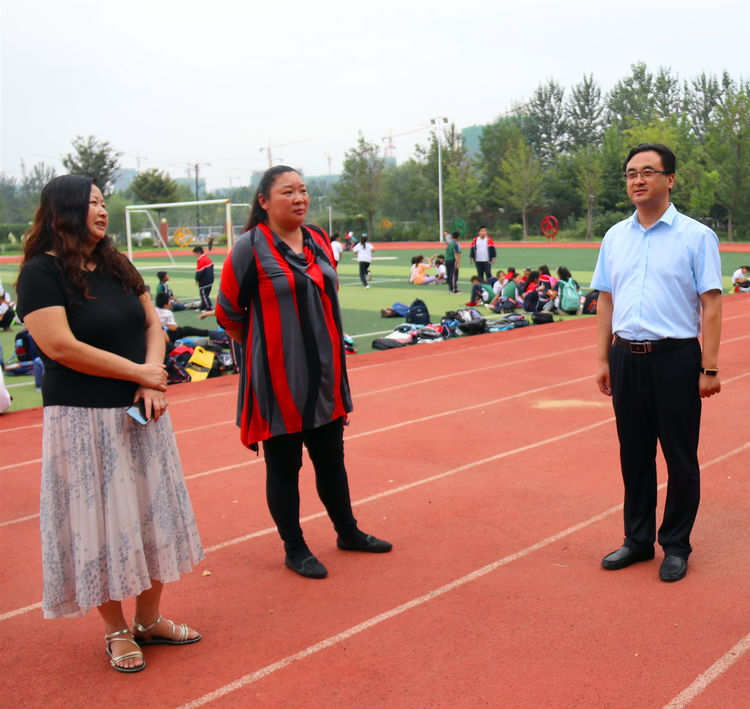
646, 173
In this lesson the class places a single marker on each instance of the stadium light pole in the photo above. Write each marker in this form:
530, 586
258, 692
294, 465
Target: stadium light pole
438, 123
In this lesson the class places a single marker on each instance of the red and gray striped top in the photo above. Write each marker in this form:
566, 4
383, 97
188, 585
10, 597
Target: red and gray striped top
293, 373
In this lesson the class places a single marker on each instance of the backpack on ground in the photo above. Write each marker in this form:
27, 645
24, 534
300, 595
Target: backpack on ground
509, 322
385, 343
589, 303
200, 364
570, 297
401, 309
473, 327
418, 313
25, 347
542, 317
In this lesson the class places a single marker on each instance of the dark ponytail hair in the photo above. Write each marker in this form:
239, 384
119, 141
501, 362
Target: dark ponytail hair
59, 227
257, 213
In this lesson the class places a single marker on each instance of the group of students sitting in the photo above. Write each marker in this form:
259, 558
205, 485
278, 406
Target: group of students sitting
533, 291
418, 274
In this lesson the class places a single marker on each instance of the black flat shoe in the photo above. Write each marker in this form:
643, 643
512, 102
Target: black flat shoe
370, 544
623, 557
309, 567
673, 568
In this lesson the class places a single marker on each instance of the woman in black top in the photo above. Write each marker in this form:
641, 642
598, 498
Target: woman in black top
116, 519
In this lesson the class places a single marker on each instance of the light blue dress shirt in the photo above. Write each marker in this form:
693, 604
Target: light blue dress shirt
656, 275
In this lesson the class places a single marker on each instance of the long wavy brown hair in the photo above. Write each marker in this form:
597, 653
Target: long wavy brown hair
60, 227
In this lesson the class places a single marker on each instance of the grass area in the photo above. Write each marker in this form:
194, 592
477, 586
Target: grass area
360, 307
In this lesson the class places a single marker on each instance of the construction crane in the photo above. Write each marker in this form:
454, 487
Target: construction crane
388, 149
268, 148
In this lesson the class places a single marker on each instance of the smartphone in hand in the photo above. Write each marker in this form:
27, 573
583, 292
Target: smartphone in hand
138, 412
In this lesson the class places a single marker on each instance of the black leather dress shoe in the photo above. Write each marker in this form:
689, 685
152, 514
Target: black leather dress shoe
310, 567
623, 557
370, 544
673, 568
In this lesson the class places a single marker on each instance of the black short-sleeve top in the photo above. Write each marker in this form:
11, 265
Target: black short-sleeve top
108, 319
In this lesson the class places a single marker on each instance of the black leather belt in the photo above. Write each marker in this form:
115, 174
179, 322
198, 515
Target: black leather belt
646, 347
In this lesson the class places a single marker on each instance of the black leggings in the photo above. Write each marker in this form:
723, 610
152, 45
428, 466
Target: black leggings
283, 454
364, 269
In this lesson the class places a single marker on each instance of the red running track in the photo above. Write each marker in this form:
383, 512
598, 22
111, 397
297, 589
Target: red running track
491, 463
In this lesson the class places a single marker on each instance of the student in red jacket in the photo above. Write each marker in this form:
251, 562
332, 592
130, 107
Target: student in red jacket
204, 275
483, 254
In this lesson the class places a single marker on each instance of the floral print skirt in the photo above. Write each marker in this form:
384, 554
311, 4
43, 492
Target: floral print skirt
115, 511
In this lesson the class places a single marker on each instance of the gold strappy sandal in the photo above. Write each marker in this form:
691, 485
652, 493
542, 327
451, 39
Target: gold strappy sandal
124, 635
179, 635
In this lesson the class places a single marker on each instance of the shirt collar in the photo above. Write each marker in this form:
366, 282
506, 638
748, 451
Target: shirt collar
668, 217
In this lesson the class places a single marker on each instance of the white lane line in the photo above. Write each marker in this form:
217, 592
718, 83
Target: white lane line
387, 615
702, 681
19, 519
18, 465
333, 640
19, 611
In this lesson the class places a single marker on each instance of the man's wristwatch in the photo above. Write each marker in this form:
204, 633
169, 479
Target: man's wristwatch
710, 372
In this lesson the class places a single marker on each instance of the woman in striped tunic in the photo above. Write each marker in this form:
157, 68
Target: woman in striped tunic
278, 298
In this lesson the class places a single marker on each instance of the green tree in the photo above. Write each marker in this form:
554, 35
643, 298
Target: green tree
667, 94
494, 142
546, 127
358, 190
154, 186
584, 114
701, 97
521, 180
631, 99
97, 159
588, 175
729, 150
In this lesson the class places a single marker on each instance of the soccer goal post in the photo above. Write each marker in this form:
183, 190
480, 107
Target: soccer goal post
147, 209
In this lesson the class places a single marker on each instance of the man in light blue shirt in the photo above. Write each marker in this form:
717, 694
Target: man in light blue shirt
659, 273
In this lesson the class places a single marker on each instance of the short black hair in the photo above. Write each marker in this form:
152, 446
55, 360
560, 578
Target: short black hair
668, 159
197, 249
455, 235
162, 299
161, 275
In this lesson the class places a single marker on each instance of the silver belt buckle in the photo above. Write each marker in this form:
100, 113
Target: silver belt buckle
640, 347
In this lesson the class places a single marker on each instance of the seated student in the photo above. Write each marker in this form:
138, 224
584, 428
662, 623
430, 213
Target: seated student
166, 317
740, 280
6, 310
531, 293
509, 296
418, 274
162, 287
499, 282
441, 273
524, 282
480, 292
566, 296
546, 279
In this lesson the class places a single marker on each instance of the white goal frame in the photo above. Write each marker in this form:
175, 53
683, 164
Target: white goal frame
147, 209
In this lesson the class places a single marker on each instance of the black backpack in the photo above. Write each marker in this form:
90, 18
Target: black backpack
385, 343
541, 318
418, 313
589, 303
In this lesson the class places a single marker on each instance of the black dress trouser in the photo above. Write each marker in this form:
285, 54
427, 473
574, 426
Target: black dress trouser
283, 454
655, 397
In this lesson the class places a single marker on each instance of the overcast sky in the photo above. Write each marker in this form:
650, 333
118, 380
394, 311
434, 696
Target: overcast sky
174, 83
